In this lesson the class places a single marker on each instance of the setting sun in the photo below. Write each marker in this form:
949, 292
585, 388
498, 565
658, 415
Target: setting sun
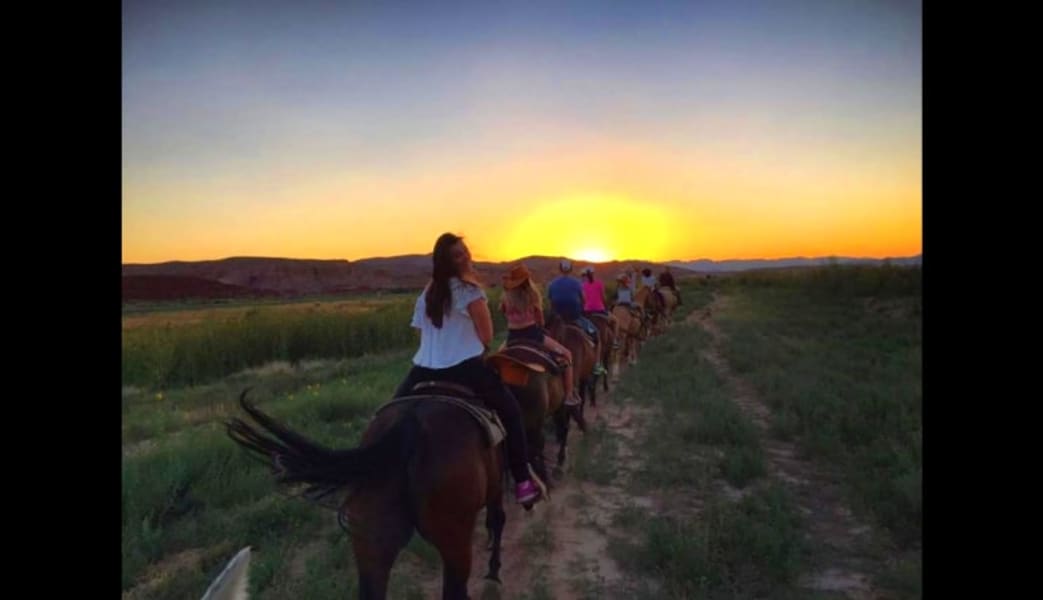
595, 255
595, 227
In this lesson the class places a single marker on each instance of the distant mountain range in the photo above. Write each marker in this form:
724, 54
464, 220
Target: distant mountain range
287, 277
255, 276
727, 266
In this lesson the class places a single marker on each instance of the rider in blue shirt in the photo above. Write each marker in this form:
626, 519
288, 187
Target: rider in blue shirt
566, 299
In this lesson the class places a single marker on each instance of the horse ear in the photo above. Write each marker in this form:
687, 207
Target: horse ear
231, 584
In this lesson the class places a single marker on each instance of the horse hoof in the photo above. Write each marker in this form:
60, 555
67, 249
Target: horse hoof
491, 577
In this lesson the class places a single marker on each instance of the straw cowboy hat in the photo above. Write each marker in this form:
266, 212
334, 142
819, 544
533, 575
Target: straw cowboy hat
515, 277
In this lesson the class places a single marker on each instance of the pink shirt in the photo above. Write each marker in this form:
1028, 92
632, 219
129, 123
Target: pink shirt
517, 319
592, 293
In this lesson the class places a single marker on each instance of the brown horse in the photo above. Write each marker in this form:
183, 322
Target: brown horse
540, 392
649, 304
667, 311
653, 304
628, 335
421, 465
606, 325
584, 357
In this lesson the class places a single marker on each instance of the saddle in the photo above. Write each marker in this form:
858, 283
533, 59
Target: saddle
460, 396
588, 336
518, 359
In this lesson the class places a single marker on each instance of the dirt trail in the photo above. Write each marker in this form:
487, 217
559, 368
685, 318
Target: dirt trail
839, 539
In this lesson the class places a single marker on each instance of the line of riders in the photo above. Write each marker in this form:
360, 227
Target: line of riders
456, 330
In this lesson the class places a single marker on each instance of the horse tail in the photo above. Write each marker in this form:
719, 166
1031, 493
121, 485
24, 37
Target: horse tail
297, 459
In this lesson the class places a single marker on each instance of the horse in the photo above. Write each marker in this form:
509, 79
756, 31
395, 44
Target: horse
422, 465
669, 303
532, 375
628, 331
584, 357
649, 304
606, 325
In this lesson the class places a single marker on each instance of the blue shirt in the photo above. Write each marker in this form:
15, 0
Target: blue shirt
566, 296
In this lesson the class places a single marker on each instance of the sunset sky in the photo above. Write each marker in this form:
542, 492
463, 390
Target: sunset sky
600, 130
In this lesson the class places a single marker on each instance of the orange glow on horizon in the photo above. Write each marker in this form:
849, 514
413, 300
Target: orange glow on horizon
595, 200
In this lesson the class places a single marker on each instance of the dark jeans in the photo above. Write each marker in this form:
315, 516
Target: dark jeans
487, 385
532, 332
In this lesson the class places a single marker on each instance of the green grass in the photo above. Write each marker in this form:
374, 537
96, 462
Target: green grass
748, 549
192, 488
837, 354
158, 357
696, 294
694, 412
694, 435
329, 392
594, 454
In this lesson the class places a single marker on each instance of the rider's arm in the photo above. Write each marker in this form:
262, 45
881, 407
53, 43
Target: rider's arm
483, 321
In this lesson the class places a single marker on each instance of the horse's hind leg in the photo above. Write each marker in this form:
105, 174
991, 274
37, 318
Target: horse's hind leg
495, 517
594, 391
451, 535
376, 544
537, 442
561, 428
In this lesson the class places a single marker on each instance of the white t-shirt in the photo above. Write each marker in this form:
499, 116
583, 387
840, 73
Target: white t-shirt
457, 340
648, 281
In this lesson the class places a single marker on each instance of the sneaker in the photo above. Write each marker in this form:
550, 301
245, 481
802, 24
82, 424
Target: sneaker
526, 492
573, 399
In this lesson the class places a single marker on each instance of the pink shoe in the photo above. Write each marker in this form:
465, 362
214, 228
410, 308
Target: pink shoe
527, 492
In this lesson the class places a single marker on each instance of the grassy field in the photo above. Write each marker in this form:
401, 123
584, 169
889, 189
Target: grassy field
188, 489
835, 353
184, 345
704, 544
838, 356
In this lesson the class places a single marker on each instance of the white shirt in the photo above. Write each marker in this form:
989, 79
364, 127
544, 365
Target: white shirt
457, 340
648, 281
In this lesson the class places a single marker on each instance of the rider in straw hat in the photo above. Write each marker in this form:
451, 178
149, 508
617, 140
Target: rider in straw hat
523, 307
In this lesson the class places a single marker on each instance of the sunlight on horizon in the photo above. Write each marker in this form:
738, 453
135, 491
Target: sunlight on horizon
596, 227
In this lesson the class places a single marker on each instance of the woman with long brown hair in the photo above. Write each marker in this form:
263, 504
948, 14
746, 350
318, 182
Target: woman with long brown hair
456, 328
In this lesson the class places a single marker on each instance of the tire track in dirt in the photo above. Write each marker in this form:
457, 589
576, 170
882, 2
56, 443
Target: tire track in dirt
840, 540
